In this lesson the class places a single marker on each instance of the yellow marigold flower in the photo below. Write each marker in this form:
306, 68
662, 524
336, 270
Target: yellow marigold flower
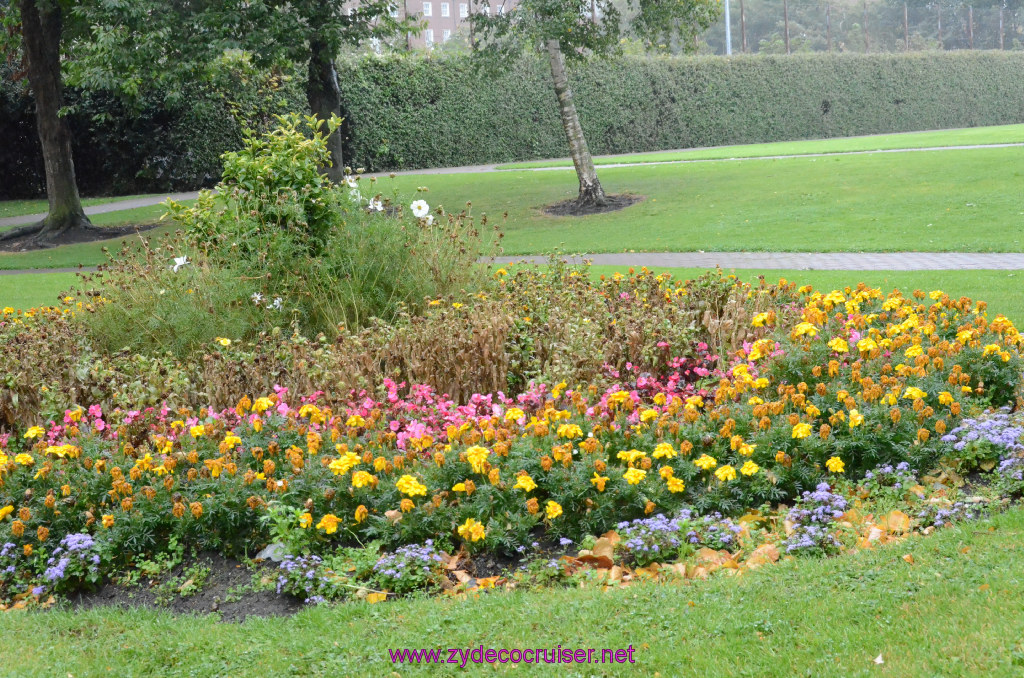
913, 393
459, 487
197, 431
945, 398
762, 319
329, 523
749, 468
6, 511
726, 473
361, 513
262, 405
552, 509
648, 415
362, 479
747, 449
409, 485
801, 430
355, 421
761, 349
705, 462
599, 481
866, 345
804, 329
306, 520
835, 465
223, 341
856, 418
477, 456
24, 459
913, 351
675, 485
406, 505
839, 345
570, 431
735, 442
664, 451
525, 483
812, 411
514, 414
342, 464
630, 456
633, 476
108, 520
34, 432
471, 530
990, 349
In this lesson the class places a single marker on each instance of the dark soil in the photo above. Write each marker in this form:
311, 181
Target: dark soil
614, 203
29, 243
227, 579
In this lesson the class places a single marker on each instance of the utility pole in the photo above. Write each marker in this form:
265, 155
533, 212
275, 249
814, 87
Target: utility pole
828, 25
785, 18
728, 31
1000, 27
867, 40
906, 28
970, 26
743, 29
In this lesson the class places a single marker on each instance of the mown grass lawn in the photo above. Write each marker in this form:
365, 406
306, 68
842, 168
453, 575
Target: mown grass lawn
17, 208
964, 200
953, 611
969, 136
35, 289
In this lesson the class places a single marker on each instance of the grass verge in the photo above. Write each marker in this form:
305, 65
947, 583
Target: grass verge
35, 289
966, 200
999, 134
952, 611
18, 208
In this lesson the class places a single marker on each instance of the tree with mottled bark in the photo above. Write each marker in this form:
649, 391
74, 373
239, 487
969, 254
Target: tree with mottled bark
577, 30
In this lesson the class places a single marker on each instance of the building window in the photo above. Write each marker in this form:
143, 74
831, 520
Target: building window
394, 11
500, 9
463, 10
429, 35
444, 9
428, 9
487, 10
445, 35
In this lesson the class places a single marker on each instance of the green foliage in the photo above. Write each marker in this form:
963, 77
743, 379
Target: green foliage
155, 143
328, 255
409, 112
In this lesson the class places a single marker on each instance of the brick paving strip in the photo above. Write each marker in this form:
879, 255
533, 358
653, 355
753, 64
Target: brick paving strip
803, 261
473, 169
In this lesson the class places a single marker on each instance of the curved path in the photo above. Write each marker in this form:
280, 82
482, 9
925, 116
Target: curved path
473, 169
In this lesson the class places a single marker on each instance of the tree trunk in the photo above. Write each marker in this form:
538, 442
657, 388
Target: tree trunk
324, 98
41, 36
591, 192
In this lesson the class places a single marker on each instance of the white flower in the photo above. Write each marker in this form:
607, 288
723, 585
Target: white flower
277, 305
376, 205
179, 262
257, 298
355, 195
420, 209
351, 181
430, 220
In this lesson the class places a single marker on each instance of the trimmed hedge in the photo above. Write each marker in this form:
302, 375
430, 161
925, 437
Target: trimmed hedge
153, 149
411, 112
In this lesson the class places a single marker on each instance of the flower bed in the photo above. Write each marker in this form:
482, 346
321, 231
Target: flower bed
825, 407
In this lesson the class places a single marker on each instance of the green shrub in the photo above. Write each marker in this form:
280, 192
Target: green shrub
407, 112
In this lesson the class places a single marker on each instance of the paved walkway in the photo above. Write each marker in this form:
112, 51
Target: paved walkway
103, 208
476, 169
805, 261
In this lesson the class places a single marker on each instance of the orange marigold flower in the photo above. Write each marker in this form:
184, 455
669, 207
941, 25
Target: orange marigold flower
42, 533
532, 505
